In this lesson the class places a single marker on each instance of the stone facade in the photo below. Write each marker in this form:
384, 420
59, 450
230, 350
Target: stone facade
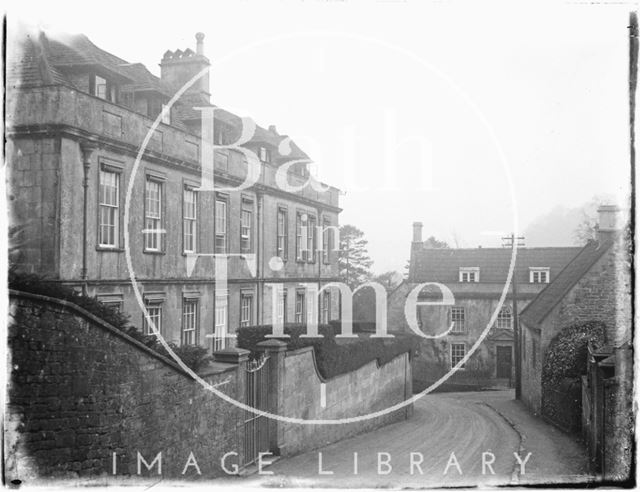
62, 137
81, 390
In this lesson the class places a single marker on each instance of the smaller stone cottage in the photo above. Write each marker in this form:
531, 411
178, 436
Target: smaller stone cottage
591, 294
477, 278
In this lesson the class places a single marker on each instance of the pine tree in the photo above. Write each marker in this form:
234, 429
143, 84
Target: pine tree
354, 261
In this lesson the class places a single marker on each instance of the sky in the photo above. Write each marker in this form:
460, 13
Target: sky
474, 118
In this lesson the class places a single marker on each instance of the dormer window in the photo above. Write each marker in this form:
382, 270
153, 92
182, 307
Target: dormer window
539, 275
156, 107
469, 274
166, 114
102, 88
221, 133
265, 155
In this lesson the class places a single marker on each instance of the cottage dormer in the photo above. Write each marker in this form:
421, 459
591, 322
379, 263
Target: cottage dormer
469, 274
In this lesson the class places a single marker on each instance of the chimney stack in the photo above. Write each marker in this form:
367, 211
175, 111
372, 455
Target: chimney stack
417, 232
179, 67
608, 218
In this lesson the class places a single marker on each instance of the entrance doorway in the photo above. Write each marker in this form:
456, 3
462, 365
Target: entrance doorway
503, 361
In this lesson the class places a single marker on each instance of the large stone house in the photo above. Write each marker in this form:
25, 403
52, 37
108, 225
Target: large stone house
77, 117
594, 287
477, 278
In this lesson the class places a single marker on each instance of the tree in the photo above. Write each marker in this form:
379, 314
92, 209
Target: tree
389, 280
430, 243
433, 243
364, 301
353, 261
586, 228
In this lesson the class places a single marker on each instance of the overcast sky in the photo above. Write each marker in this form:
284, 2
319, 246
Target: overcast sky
483, 111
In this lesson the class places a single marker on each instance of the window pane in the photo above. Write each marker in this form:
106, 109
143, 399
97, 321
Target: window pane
101, 87
311, 239
281, 245
221, 227
246, 217
457, 318
153, 211
221, 316
109, 195
504, 318
155, 316
189, 322
189, 220
458, 351
246, 308
299, 245
299, 314
325, 241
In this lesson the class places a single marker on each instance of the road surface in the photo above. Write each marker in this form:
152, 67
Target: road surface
444, 444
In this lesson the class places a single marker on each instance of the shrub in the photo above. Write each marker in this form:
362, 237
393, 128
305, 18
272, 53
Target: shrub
358, 326
567, 354
333, 356
564, 363
194, 357
249, 337
35, 284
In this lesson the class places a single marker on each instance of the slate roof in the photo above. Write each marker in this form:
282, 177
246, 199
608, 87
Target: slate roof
442, 265
27, 63
143, 79
77, 50
36, 59
552, 294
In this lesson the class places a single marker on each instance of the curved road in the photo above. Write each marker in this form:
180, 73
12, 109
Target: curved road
441, 425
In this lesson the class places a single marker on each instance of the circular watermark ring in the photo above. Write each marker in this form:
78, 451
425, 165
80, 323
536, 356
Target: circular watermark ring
414, 398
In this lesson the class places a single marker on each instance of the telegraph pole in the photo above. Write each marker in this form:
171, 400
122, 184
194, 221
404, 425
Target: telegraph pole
508, 242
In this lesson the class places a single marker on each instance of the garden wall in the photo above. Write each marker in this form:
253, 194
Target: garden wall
80, 390
367, 389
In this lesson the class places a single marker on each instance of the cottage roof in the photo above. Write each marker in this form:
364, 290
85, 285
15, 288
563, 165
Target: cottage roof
552, 294
443, 264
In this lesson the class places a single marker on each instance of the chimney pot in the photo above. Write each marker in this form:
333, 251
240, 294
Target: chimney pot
417, 232
200, 43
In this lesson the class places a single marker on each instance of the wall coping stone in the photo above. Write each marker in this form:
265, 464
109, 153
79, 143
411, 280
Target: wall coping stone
273, 345
216, 367
231, 355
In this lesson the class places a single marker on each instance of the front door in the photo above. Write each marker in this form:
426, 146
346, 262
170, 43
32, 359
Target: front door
503, 362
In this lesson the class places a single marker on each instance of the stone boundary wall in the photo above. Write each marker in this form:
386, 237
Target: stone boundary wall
80, 390
365, 390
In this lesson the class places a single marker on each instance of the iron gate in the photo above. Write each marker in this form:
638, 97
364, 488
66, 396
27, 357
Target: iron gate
256, 427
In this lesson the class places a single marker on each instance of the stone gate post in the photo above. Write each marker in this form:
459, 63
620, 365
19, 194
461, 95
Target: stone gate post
239, 357
276, 351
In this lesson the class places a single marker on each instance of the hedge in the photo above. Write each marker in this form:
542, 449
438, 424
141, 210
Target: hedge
564, 364
193, 356
567, 354
357, 326
332, 357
